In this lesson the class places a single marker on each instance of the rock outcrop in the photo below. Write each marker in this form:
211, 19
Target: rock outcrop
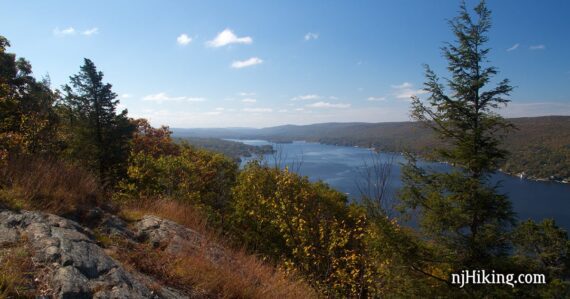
175, 238
73, 265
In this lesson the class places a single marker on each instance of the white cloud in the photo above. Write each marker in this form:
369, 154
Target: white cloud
257, 110
406, 91
246, 94
213, 113
283, 110
397, 111
90, 32
125, 96
227, 37
220, 109
328, 105
403, 85
69, 31
163, 97
311, 35
248, 100
195, 99
64, 32
514, 47
183, 39
537, 47
245, 63
195, 119
376, 99
306, 97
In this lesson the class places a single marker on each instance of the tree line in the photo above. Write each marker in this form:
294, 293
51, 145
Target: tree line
342, 248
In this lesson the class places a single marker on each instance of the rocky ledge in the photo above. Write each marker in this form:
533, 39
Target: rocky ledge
69, 262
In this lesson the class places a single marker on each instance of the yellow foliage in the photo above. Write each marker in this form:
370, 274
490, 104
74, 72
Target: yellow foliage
304, 226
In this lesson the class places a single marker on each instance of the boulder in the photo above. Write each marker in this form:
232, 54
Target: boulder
175, 238
76, 266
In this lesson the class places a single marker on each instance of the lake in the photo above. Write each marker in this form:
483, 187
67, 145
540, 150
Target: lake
341, 167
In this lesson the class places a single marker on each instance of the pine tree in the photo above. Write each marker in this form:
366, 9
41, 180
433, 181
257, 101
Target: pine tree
97, 135
461, 212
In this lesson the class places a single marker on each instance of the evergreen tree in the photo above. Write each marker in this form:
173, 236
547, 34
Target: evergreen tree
461, 213
97, 135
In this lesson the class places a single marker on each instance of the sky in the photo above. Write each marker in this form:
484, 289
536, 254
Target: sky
267, 63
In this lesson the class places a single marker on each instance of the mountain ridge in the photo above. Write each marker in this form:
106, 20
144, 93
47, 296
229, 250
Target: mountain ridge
539, 147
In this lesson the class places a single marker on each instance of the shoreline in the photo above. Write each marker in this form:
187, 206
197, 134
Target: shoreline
516, 175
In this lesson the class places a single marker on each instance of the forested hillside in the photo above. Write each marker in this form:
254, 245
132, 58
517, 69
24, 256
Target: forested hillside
233, 149
539, 146
97, 204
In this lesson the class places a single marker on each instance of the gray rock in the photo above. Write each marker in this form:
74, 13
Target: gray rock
159, 231
8, 236
78, 267
74, 266
68, 282
113, 225
176, 239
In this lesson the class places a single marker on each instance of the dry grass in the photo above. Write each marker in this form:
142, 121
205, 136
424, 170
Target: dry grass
236, 275
16, 272
48, 186
240, 276
62, 189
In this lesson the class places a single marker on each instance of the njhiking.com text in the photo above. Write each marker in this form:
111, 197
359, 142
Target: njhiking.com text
490, 277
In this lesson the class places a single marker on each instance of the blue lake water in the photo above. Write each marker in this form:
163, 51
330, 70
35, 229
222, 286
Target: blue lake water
341, 168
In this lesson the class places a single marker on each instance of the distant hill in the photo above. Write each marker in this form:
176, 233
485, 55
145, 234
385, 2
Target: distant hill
540, 147
232, 149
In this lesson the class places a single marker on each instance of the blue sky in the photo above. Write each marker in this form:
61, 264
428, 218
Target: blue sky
265, 63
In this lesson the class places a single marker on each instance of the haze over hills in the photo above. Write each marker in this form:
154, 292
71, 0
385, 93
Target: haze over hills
540, 146
286, 132
98, 198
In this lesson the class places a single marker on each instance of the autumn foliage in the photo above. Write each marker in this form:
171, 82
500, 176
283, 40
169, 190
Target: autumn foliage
287, 236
